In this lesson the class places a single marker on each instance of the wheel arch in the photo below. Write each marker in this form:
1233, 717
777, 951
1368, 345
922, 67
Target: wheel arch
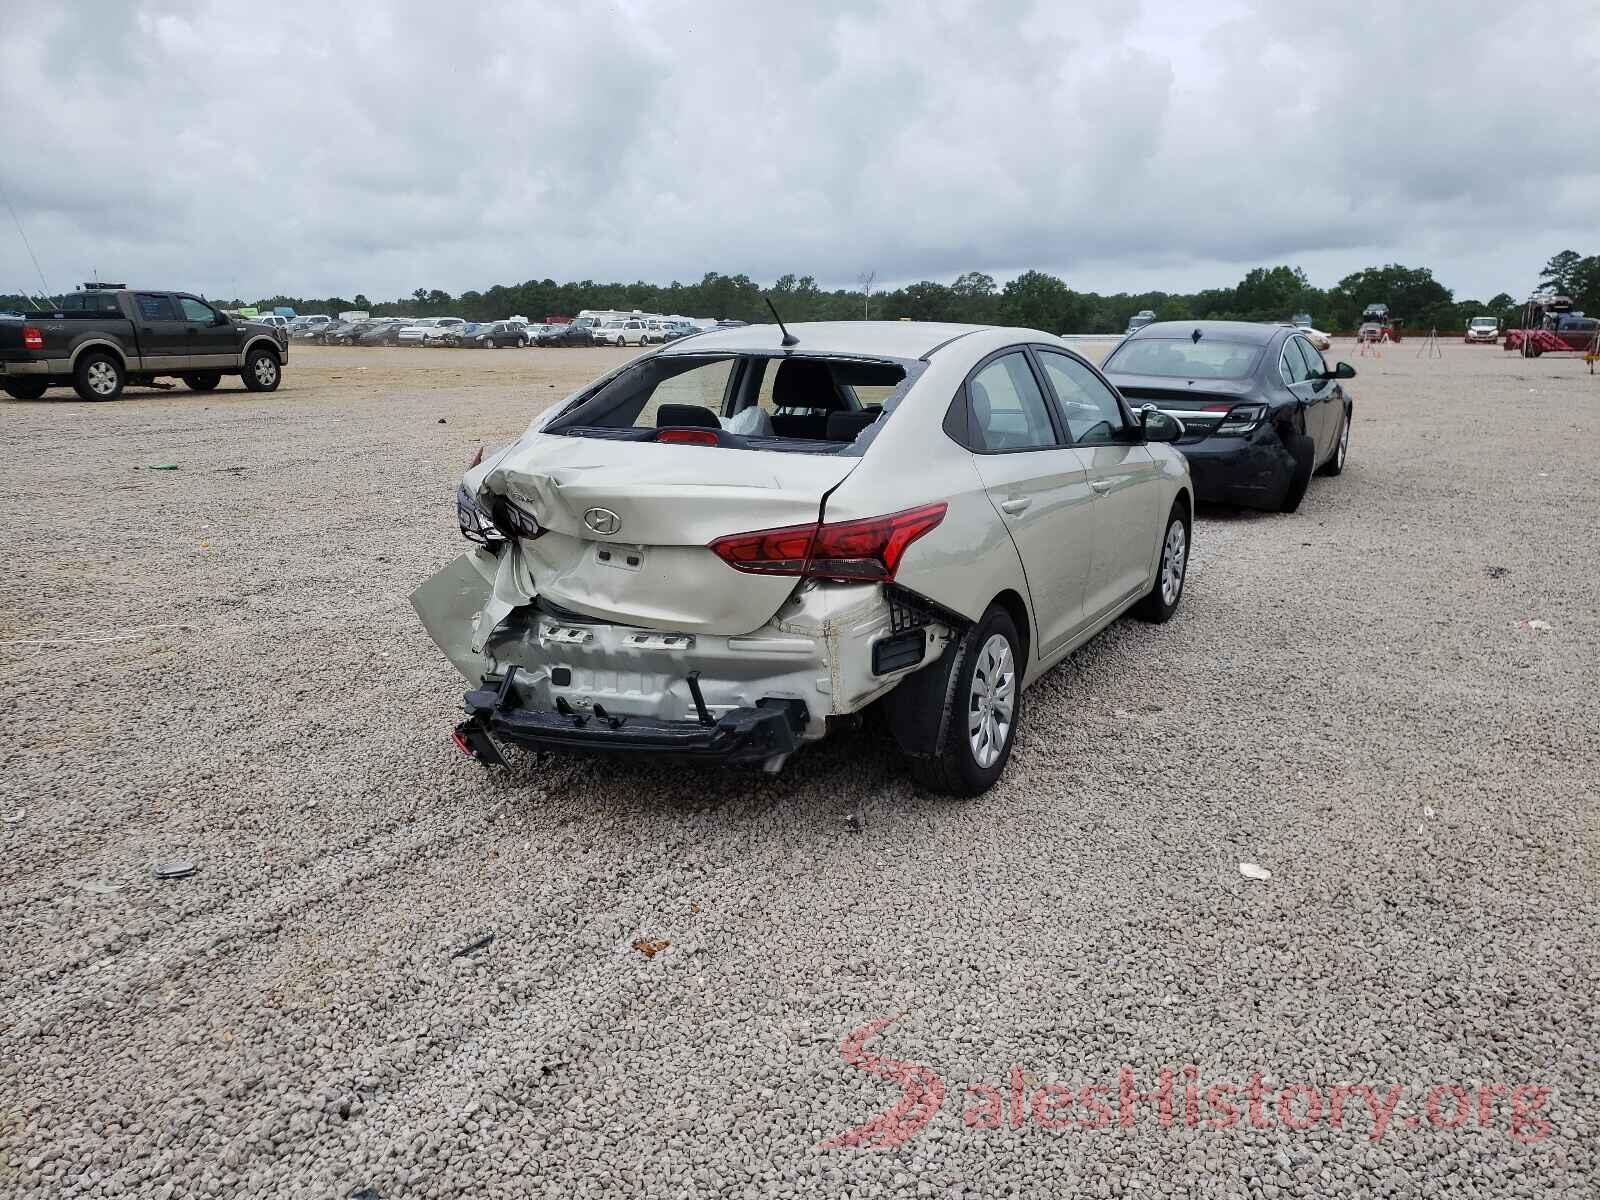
1016, 608
96, 343
261, 339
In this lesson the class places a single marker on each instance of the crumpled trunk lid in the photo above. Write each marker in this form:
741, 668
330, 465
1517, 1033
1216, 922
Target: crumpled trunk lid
627, 525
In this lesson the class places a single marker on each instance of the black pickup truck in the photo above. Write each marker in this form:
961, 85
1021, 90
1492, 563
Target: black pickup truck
103, 338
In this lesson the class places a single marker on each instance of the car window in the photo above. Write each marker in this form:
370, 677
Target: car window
1183, 358
1291, 365
156, 308
1089, 408
702, 385
193, 310
1316, 368
1007, 409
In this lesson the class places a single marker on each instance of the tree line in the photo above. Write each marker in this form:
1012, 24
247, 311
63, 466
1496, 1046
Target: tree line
1035, 299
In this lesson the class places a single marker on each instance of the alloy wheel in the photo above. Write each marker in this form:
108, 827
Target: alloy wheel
991, 701
102, 378
1174, 558
266, 370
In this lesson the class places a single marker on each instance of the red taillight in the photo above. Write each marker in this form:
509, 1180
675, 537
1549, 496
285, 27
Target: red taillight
869, 549
1221, 408
688, 437
32, 337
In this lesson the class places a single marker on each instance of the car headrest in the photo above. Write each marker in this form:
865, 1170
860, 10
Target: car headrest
804, 383
695, 416
846, 426
980, 403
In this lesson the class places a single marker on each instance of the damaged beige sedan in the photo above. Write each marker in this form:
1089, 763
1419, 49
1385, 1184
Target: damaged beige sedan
728, 543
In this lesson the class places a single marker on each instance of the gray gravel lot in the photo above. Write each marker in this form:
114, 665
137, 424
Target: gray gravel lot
218, 663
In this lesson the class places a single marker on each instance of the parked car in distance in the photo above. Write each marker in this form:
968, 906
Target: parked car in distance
1575, 329
1316, 337
381, 332
621, 333
1261, 410
1482, 330
933, 555
272, 321
102, 338
568, 335
308, 327
1140, 319
680, 329
1371, 331
495, 334
445, 331
1301, 321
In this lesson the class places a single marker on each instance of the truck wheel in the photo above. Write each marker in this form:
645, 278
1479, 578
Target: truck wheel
202, 381
261, 370
25, 389
99, 376
975, 716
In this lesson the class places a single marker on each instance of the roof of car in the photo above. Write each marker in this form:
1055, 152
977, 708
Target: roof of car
1255, 333
885, 339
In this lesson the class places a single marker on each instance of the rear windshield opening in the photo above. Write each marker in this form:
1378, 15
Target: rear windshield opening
1183, 358
811, 404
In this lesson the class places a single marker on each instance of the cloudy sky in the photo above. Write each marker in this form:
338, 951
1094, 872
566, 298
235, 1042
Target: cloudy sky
315, 148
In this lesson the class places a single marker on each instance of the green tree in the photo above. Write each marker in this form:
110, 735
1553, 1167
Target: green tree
1035, 300
1557, 275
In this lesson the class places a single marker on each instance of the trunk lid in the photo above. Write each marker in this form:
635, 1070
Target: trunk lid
627, 526
1199, 403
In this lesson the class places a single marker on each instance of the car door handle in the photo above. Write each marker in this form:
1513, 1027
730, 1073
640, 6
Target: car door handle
1016, 504
1100, 485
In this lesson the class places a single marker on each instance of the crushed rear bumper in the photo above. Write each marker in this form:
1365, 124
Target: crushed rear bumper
766, 733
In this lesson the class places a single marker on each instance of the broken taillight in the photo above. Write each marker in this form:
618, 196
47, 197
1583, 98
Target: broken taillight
865, 550
32, 337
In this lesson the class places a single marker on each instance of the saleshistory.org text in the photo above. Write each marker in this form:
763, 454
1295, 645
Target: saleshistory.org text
1180, 1096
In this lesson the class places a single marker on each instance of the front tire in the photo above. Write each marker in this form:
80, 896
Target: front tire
261, 370
25, 389
99, 376
203, 381
978, 713
1162, 600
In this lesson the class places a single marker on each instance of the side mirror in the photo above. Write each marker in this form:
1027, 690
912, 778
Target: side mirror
1158, 426
221, 319
1343, 371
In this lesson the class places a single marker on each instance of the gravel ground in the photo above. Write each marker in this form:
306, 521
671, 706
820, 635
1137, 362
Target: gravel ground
218, 664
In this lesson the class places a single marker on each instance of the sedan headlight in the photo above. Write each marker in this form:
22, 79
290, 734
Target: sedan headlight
1241, 419
476, 525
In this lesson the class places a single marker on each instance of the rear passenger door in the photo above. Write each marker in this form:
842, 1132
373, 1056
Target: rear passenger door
1123, 475
163, 333
1039, 487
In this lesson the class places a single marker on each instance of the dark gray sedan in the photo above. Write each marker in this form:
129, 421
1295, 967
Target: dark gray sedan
1261, 410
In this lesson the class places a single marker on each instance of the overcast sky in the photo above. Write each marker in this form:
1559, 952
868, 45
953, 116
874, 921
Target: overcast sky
316, 148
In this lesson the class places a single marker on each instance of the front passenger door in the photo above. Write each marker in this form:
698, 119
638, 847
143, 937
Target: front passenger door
1123, 474
1038, 486
1315, 395
213, 340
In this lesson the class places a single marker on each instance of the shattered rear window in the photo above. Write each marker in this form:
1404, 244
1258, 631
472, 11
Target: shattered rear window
796, 403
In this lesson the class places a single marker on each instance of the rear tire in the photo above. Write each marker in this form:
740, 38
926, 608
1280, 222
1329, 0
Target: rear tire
203, 381
1341, 449
99, 376
1304, 451
261, 370
978, 713
1171, 573
25, 389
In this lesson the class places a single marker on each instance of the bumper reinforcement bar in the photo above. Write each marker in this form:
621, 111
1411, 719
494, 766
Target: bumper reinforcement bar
742, 736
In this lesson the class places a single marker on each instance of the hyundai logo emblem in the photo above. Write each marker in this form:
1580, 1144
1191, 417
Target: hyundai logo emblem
602, 520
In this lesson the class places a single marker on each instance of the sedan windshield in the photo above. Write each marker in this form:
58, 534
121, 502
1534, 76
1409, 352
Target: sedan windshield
1182, 358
